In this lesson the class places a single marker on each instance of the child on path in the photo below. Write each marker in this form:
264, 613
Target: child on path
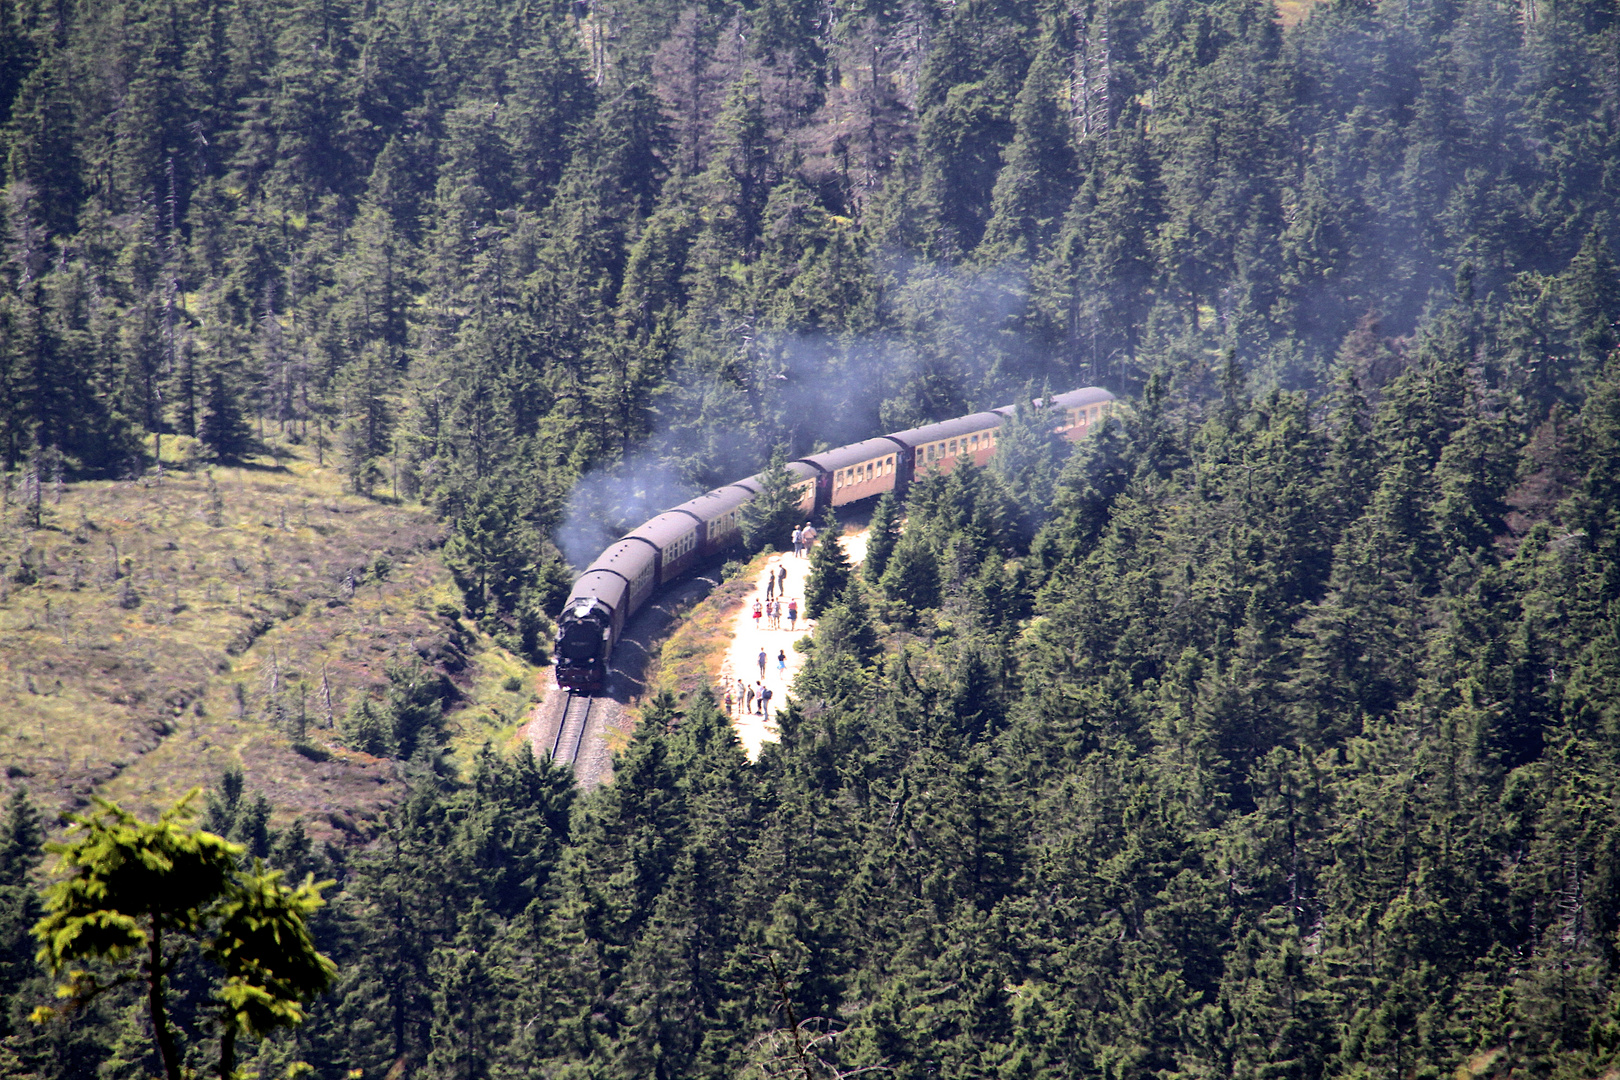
781, 663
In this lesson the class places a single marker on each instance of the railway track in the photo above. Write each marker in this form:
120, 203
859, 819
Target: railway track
571, 728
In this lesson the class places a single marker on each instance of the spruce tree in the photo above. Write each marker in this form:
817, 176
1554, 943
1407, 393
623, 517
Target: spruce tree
830, 571
846, 628
221, 426
142, 894
21, 847
912, 575
768, 518
1028, 456
881, 537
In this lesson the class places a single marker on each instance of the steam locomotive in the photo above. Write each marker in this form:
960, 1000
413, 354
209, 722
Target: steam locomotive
616, 584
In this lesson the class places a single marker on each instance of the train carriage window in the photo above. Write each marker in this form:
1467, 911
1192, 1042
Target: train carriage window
953, 446
973, 443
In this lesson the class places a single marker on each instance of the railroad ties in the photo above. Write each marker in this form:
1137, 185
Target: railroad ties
571, 728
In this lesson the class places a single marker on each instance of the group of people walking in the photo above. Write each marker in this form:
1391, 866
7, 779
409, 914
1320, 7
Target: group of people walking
771, 611
803, 537
754, 699
768, 613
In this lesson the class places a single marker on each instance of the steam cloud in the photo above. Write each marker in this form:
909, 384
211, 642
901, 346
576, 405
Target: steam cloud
961, 345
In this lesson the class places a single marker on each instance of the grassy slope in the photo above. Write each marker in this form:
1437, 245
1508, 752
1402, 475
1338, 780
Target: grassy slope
169, 635
1292, 11
690, 657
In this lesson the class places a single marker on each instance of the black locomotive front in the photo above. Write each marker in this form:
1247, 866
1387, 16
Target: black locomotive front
584, 639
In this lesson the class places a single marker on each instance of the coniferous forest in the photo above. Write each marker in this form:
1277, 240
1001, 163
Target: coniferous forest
1272, 732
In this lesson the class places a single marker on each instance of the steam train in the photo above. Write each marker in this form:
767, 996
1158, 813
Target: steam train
616, 584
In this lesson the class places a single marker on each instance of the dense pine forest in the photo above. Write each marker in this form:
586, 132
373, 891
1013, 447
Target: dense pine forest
1273, 731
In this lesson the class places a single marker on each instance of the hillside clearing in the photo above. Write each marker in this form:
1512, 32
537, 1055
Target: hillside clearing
157, 631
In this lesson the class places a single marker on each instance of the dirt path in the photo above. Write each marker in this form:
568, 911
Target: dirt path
741, 667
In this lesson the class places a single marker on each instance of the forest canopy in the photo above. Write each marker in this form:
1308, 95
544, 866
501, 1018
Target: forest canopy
1271, 732
479, 250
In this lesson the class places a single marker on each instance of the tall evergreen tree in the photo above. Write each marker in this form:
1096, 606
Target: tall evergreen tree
830, 572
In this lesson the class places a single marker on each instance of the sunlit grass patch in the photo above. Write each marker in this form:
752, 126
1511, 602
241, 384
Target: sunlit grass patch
1293, 11
505, 689
156, 631
692, 654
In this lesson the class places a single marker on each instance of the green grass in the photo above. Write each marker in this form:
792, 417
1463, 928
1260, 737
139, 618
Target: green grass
1292, 11
156, 631
691, 655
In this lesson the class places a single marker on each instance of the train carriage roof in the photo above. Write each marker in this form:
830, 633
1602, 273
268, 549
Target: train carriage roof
597, 586
663, 530
856, 452
798, 469
1074, 399
948, 429
1086, 395
627, 558
715, 503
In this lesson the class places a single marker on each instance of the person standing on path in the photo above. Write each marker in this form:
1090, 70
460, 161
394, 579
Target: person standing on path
765, 701
764, 658
758, 611
781, 582
781, 664
748, 701
797, 534
770, 586
808, 536
793, 612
